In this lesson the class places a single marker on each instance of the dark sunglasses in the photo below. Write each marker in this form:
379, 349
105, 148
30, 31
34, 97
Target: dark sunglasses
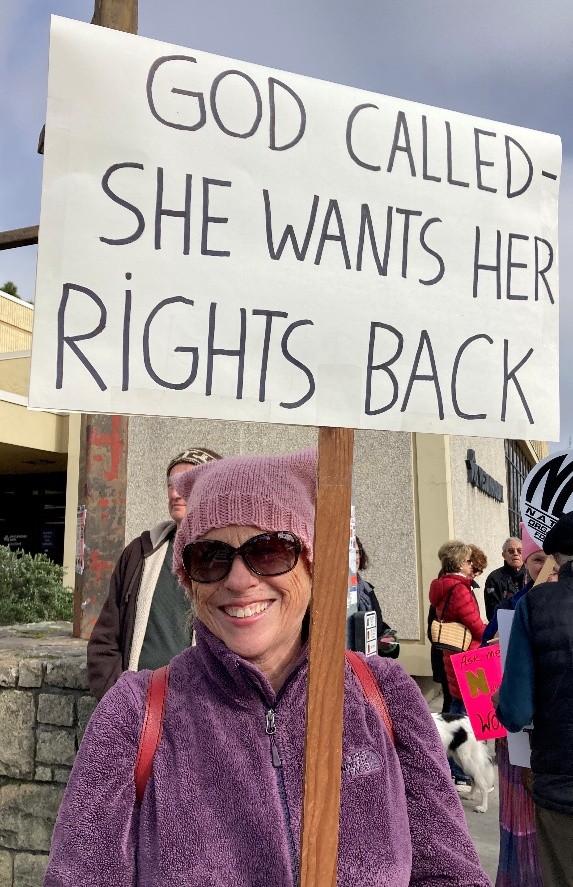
268, 554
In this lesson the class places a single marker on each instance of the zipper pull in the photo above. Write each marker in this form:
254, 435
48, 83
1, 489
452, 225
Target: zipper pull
270, 730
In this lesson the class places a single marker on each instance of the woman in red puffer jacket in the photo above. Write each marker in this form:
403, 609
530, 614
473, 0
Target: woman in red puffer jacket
456, 577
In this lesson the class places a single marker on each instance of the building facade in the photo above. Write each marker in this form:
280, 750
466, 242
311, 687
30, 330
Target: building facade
411, 492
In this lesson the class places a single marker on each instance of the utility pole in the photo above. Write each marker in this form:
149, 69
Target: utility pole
103, 439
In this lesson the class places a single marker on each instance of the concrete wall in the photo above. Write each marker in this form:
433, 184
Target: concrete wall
16, 319
382, 492
479, 518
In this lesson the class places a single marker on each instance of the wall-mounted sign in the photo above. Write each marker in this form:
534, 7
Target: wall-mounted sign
481, 479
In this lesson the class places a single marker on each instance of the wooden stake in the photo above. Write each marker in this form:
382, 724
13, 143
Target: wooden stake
324, 708
118, 14
545, 570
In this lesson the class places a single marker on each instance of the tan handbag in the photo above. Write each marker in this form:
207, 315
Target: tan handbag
451, 636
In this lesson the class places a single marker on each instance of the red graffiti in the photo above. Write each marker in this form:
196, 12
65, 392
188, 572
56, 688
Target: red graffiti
113, 441
100, 568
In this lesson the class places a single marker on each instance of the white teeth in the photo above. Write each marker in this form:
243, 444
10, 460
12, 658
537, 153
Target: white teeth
243, 612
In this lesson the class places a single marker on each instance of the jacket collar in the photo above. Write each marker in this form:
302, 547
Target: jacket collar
234, 676
511, 571
161, 532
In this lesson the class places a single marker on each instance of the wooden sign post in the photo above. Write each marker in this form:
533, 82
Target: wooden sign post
325, 697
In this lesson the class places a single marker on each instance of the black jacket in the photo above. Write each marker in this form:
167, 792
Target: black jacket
550, 607
110, 643
500, 585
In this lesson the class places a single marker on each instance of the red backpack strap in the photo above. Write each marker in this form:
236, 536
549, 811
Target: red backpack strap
371, 690
152, 729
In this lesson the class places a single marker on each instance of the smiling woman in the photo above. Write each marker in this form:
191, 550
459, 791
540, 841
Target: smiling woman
224, 802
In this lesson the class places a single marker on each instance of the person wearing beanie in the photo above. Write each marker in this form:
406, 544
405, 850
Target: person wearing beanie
537, 687
144, 621
223, 805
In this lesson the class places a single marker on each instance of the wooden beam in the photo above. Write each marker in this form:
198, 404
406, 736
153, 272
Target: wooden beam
19, 237
118, 14
325, 699
102, 484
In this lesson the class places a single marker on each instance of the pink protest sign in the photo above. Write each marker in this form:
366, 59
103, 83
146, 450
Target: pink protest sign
479, 675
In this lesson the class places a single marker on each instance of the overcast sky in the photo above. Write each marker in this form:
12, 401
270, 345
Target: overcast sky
507, 60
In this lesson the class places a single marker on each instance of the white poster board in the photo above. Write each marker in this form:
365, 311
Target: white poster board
223, 240
517, 743
547, 494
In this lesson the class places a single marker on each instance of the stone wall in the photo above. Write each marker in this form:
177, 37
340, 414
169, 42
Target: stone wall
44, 708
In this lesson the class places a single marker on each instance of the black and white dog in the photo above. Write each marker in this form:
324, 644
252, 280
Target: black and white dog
473, 757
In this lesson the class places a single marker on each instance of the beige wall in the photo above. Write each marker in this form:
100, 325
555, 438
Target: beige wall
16, 318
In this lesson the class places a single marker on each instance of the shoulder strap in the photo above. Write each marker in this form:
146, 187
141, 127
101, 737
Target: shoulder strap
371, 690
152, 729
445, 607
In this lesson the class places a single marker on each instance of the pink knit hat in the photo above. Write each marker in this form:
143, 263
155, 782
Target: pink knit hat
528, 545
270, 492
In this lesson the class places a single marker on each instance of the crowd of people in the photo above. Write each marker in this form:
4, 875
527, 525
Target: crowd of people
237, 554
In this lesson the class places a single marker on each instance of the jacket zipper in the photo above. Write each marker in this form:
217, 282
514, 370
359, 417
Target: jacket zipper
270, 730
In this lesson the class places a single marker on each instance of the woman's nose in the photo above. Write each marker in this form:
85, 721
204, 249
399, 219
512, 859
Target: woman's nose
239, 576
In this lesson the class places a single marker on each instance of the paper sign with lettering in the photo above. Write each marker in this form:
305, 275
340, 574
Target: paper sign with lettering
518, 745
223, 240
547, 493
479, 675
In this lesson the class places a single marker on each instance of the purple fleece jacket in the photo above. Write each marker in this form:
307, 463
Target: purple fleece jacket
223, 808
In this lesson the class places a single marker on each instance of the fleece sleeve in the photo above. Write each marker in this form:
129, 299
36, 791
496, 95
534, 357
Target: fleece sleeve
442, 850
515, 708
95, 837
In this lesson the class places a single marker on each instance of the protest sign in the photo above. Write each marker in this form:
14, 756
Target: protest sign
478, 673
518, 746
547, 494
223, 240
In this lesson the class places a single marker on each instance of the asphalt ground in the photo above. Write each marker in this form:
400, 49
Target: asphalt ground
483, 827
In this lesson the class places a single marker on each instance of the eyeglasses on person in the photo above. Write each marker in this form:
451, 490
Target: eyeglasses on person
267, 554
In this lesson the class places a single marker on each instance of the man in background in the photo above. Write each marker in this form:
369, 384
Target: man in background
506, 580
537, 686
144, 622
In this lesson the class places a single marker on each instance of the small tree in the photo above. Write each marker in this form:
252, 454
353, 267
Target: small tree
11, 288
31, 589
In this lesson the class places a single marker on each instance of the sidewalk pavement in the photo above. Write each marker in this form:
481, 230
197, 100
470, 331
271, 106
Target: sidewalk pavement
483, 827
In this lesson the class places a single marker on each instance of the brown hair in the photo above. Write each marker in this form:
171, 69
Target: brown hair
478, 559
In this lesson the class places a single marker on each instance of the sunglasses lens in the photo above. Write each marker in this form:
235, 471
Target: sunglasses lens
271, 554
268, 554
207, 560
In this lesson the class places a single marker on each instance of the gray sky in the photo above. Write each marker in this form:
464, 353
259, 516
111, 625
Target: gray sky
509, 61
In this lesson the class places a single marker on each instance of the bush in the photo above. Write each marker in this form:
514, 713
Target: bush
31, 589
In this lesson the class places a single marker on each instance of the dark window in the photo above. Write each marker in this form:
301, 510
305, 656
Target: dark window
518, 467
32, 513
